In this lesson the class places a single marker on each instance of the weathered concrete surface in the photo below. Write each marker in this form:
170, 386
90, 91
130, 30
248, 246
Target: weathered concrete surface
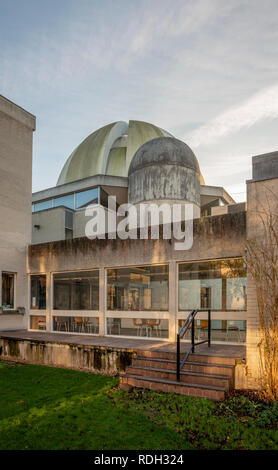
214, 237
163, 169
97, 359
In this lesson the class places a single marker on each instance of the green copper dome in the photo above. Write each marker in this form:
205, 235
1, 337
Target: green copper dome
109, 150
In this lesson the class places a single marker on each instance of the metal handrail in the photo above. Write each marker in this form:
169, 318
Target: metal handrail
185, 326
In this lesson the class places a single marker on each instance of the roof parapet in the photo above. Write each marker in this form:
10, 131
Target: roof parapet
17, 113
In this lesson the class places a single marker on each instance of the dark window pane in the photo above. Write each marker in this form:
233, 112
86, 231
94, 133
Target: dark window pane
76, 291
8, 284
38, 292
138, 288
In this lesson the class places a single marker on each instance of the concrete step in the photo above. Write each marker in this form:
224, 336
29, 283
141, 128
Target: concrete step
196, 378
210, 359
163, 385
192, 366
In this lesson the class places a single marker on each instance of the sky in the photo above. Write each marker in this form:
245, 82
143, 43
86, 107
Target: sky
205, 70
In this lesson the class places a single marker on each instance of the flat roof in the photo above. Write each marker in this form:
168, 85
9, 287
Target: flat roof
79, 185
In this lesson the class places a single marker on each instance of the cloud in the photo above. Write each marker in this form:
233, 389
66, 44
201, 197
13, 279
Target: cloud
158, 23
262, 105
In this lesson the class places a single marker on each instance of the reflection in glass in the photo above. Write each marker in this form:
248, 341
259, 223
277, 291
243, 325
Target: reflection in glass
37, 322
84, 198
38, 292
143, 327
138, 288
76, 291
41, 206
219, 285
87, 325
67, 201
233, 331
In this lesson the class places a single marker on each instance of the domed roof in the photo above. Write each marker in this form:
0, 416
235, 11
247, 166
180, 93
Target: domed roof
109, 150
164, 151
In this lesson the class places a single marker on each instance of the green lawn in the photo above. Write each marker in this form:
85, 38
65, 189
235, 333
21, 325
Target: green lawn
49, 408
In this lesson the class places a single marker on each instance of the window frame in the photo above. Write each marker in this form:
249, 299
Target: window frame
136, 313
73, 312
31, 309
220, 311
14, 274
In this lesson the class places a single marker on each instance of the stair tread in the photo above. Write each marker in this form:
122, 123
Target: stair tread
174, 382
206, 364
199, 354
183, 372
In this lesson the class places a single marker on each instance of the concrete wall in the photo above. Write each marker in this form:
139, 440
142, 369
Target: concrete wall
51, 224
16, 133
97, 359
261, 197
228, 209
214, 237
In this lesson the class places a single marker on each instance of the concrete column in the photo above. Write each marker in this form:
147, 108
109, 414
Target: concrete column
173, 300
49, 301
102, 301
252, 336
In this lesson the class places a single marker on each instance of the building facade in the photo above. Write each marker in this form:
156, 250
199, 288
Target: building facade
16, 134
144, 288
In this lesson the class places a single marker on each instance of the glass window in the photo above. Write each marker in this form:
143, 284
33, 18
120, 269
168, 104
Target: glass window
143, 327
232, 331
38, 292
37, 322
219, 285
76, 291
41, 206
138, 288
67, 201
84, 198
8, 289
76, 324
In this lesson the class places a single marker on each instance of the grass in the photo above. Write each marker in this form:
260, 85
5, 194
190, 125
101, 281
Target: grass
50, 408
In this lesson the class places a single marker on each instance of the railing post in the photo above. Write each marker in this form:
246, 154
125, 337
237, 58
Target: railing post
193, 334
178, 357
209, 327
